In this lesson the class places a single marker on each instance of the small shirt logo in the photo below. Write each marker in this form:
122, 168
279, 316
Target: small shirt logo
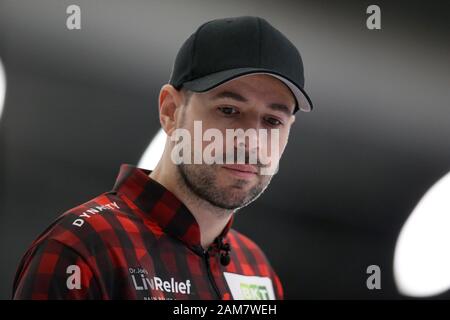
249, 287
143, 281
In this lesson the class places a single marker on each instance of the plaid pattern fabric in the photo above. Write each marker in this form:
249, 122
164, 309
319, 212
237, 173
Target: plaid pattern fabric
137, 241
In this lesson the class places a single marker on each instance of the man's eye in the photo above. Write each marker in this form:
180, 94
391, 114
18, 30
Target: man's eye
228, 110
274, 122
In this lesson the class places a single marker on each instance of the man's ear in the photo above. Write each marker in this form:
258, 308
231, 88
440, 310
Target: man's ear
170, 101
292, 119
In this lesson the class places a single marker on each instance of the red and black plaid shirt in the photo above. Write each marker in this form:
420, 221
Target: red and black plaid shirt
139, 241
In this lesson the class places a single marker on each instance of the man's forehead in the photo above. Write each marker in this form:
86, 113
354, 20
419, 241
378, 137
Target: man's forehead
254, 85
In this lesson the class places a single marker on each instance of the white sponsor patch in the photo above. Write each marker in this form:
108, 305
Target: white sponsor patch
93, 211
249, 287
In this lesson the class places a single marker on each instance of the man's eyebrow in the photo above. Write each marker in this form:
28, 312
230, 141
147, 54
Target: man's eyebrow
236, 96
229, 94
281, 107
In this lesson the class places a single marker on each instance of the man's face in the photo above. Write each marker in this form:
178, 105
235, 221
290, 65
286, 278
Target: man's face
255, 102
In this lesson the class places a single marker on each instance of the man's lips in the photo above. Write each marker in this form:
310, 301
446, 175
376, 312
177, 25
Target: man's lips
244, 170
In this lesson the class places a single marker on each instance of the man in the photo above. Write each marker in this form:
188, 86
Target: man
166, 233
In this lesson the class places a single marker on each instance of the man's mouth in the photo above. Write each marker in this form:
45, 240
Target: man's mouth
241, 170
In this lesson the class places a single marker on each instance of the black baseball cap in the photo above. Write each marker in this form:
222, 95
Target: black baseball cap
223, 49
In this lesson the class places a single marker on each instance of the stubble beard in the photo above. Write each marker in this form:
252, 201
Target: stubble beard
202, 181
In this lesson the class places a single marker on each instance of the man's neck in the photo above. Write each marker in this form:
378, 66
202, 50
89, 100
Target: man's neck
211, 219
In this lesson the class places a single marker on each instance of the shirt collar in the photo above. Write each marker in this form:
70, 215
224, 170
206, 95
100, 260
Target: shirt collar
160, 205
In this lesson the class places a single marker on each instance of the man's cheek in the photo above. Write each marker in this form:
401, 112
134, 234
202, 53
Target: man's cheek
283, 140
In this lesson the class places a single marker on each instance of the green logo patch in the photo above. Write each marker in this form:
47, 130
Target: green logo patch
254, 292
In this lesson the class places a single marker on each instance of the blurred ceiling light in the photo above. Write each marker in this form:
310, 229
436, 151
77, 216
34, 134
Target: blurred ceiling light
154, 151
422, 253
2, 87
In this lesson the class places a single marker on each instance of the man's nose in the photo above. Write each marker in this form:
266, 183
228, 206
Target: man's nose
248, 137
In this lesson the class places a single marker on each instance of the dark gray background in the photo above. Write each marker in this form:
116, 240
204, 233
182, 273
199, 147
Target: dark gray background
80, 103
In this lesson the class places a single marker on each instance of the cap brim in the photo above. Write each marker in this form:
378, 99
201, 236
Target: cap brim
215, 79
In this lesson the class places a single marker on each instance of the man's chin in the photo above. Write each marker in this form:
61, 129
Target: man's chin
229, 205
235, 198
225, 191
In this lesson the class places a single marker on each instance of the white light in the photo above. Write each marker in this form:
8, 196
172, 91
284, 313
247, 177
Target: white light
422, 253
2, 87
154, 151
